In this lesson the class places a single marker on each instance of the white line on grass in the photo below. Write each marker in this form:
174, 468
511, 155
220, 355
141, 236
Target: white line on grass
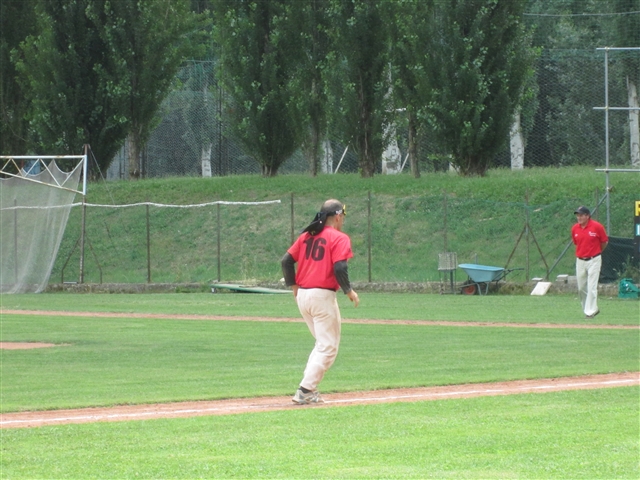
227, 408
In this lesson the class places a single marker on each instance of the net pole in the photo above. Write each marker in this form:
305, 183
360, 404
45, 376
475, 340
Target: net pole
218, 222
369, 233
85, 165
15, 240
82, 235
444, 208
606, 134
148, 248
292, 216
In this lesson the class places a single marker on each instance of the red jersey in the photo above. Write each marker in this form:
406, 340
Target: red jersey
589, 239
316, 255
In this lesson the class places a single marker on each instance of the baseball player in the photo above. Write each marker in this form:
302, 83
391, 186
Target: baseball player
321, 252
591, 239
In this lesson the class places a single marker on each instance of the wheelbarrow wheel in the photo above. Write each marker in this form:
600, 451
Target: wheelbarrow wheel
469, 288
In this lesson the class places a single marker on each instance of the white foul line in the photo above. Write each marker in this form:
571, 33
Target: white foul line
475, 392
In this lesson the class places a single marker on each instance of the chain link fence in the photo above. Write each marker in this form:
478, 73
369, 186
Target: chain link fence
394, 239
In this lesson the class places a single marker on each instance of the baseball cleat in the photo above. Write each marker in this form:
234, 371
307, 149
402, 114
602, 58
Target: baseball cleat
301, 398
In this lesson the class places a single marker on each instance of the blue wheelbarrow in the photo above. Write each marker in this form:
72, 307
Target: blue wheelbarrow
480, 276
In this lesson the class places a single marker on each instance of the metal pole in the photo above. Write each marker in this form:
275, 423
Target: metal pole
85, 167
219, 135
369, 233
15, 240
218, 214
606, 132
82, 235
341, 158
148, 248
445, 220
292, 216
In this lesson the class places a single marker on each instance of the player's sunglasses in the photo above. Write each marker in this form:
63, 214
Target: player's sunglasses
342, 211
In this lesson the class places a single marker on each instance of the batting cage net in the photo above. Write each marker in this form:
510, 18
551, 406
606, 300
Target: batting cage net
36, 196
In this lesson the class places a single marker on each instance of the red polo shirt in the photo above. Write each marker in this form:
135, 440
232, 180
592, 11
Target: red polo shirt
589, 239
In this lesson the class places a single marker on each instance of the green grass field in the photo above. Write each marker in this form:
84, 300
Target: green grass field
558, 309
128, 360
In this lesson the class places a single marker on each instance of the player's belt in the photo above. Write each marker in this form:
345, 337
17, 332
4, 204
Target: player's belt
588, 258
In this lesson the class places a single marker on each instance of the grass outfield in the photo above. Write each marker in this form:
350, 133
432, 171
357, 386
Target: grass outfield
577, 434
131, 361
580, 434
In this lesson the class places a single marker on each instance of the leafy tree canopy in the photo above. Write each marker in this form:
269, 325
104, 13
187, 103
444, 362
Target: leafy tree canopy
479, 61
259, 55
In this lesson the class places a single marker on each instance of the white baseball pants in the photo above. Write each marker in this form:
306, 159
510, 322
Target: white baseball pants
587, 275
319, 308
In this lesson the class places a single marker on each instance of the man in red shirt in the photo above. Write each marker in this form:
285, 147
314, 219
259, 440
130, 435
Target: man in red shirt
591, 239
321, 252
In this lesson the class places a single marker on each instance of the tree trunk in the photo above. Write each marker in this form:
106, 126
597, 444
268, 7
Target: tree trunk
207, 146
326, 165
311, 149
133, 153
517, 144
205, 159
269, 171
365, 160
634, 127
366, 163
391, 156
470, 166
413, 146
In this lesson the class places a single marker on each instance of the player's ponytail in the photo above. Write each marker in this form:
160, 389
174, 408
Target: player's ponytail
317, 225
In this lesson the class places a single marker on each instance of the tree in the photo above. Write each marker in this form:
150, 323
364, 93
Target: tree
148, 40
313, 26
259, 55
72, 82
17, 21
359, 81
411, 34
479, 62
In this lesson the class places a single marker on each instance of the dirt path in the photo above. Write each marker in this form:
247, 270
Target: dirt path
161, 316
264, 404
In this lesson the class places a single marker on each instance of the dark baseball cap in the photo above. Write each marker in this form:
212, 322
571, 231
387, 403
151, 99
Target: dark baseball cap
582, 210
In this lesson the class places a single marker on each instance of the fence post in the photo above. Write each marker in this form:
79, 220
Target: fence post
82, 234
148, 248
15, 240
218, 227
369, 233
444, 195
292, 234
